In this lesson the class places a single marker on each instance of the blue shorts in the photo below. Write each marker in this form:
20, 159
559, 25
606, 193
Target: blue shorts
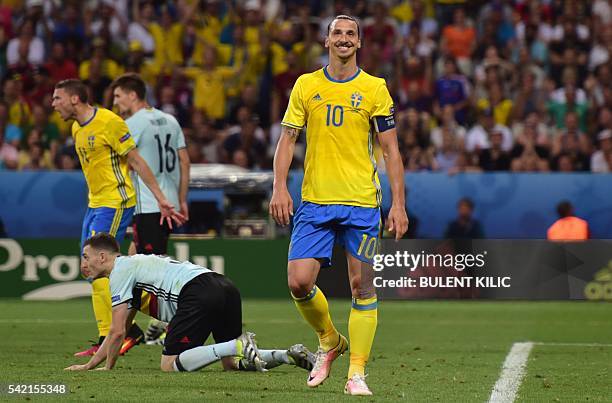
105, 219
317, 227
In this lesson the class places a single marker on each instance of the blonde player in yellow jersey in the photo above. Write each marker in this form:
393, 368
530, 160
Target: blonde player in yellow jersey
340, 105
106, 148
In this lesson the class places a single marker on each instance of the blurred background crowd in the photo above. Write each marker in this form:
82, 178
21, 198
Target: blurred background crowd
501, 85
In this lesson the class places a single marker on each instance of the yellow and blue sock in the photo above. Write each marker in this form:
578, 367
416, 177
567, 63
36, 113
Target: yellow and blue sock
362, 327
101, 301
315, 311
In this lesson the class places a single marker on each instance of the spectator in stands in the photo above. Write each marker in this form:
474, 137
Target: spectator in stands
568, 227
59, 66
168, 103
143, 14
33, 46
547, 62
447, 152
11, 134
502, 107
601, 160
413, 75
70, 30
195, 152
426, 26
35, 156
380, 30
411, 123
105, 66
450, 125
282, 85
22, 69
19, 112
108, 21
529, 98
568, 154
459, 40
465, 226
451, 89
67, 161
568, 100
478, 137
246, 140
8, 154
50, 135
465, 162
209, 88
494, 158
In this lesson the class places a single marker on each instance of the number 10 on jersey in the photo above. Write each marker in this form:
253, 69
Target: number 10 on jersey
335, 115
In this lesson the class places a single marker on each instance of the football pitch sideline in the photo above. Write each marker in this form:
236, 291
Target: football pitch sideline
424, 351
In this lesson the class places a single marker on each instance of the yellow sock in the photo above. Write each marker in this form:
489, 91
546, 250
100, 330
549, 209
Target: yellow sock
315, 311
101, 301
362, 327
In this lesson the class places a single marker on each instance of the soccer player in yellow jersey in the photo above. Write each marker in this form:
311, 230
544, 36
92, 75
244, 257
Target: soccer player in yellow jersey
106, 148
340, 105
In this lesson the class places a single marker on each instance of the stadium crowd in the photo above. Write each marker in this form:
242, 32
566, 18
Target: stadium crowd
501, 85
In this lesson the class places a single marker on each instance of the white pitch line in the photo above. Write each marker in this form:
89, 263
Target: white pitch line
543, 343
512, 373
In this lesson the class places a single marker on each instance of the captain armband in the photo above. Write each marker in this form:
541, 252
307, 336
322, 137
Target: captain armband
384, 123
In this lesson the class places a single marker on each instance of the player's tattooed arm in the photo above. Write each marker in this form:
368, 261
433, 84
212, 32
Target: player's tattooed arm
291, 132
281, 204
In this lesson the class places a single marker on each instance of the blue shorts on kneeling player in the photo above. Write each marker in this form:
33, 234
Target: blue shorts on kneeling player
317, 227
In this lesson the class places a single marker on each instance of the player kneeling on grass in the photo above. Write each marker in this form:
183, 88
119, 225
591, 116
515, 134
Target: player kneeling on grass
194, 300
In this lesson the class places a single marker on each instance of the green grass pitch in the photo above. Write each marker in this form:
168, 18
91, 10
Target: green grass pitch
425, 351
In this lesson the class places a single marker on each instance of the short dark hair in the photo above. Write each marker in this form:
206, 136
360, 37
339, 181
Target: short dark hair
104, 241
74, 87
344, 17
467, 201
565, 209
131, 82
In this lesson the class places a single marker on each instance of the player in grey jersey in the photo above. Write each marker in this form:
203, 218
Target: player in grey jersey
161, 143
194, 300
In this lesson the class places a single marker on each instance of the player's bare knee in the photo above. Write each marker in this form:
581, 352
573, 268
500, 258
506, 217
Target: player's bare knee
362, 289
299, 287
300, 281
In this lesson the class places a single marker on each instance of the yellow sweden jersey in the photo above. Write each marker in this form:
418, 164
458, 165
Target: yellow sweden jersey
339, 167
102, 144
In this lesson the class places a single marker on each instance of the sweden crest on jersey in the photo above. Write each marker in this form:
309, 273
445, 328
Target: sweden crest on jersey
356, 99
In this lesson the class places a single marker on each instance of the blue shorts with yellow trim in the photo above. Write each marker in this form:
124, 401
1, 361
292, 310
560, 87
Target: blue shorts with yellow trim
318, 227
113, 221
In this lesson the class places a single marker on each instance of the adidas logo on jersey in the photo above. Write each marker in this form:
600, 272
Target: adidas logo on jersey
316, 97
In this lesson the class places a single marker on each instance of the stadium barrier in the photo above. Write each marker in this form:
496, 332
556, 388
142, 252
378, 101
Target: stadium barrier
409, 269
34, 269
45, 205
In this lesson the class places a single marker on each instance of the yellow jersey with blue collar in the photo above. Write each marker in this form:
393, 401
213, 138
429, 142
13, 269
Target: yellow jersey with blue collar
102, 144
341, 118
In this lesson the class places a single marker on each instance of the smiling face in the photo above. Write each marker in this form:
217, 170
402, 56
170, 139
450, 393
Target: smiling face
343, 39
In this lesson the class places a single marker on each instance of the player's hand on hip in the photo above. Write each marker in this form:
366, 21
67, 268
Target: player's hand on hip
77, 367
398, 221
281, 206
169, 214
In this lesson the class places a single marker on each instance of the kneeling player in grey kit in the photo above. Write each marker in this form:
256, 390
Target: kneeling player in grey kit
194, 300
